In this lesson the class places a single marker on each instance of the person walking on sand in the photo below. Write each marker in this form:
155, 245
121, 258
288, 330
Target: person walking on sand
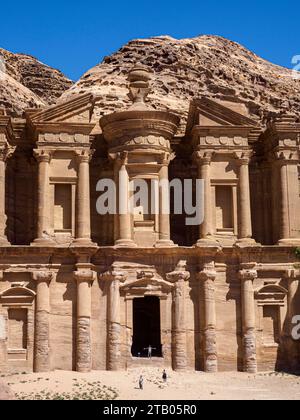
141, 383
150, 349
165, 376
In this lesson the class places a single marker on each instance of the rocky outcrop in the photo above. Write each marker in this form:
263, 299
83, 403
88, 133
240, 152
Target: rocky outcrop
184, 69
25, 82
5, 392
188, 68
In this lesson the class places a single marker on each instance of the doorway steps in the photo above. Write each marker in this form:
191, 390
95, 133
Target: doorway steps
145, 362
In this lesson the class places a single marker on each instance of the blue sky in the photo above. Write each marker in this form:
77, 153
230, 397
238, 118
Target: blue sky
75, 36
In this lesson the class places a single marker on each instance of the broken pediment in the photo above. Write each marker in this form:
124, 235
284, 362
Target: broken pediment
17, 295
77, 110
271, 293
207, 113
147, 283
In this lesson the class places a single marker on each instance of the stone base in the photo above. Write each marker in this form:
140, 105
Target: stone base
83, 242
43, 242
4, 241
246, 243
125, 243
165, 243
289, 242
208, 242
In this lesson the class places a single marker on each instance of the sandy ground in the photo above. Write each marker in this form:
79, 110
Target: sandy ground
180, 386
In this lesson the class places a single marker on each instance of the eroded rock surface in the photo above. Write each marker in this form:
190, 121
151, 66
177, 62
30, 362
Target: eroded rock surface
5, 392
25, 82
188, 68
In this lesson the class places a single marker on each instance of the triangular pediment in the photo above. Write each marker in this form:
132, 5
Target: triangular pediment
207, 113
77, 110
148, 283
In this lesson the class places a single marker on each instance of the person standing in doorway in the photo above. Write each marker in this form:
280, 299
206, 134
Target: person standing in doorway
141, 383
150, 349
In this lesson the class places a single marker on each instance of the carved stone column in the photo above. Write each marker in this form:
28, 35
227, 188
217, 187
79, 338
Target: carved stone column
293, 278
247, 275
203, 160
208, 276
114, 320
84, 278
284, 202
245, 223
288, 164
4, 154
179, 343
282, 149
43, 217
41, 347
164, 204
83, 213
125, 233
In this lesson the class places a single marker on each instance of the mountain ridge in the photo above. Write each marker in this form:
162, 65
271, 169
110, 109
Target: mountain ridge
184, 69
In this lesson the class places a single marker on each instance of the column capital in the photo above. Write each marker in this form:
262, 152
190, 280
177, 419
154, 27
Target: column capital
112, 275
244, 157
208, 273
42, 276
248, 272
286, 157
203, 157
42, 155
165, 158
84, 275
179, 274
121, 158
6, 151
84, 155
292, 274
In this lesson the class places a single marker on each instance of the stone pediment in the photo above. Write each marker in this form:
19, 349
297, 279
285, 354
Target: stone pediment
147, 283
271, 293
17, 295
207, 113
77, 110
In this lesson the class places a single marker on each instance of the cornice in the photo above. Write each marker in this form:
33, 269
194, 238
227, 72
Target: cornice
6, 127
135, 123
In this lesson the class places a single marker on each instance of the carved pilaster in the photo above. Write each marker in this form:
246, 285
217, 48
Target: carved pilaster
42, 311
124, 233
203, 160
5, 152
83, 213
164, 202
116, 278
208, 276
43, 158
247, 275
287, 162
179, 344
245, 223
84, 279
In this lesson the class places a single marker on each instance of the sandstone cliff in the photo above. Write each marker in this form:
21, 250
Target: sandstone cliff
187, 68
183, 69
5, 392
25, 82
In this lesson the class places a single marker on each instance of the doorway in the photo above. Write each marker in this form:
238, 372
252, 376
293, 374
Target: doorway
146, 326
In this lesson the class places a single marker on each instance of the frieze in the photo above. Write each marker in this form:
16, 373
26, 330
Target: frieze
223, 141
142, 142
63, 138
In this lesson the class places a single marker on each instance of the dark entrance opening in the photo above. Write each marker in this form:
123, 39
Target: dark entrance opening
146, 326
